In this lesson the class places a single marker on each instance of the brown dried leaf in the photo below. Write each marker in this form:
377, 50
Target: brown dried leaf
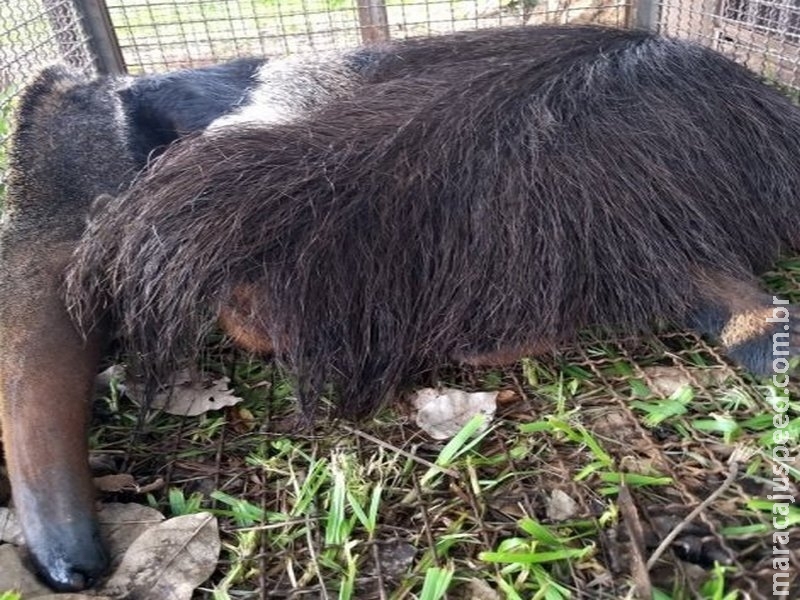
507, 397
124, 482
121, 524
443, 413
191, 397
10, 530
116, 483
168, 561
14, 575
153, 486
665, 381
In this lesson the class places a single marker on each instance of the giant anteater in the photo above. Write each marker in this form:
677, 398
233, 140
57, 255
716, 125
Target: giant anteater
76, 144
477, 196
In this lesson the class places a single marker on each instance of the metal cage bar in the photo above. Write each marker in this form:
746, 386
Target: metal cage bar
101, 36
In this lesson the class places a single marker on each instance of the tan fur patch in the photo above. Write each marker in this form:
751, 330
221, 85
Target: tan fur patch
239, 321
746, 326
243, 333
505, 356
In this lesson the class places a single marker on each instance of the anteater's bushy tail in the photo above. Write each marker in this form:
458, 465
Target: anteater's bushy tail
564, 177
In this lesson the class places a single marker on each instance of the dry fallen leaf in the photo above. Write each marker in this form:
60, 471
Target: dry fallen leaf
242, 420
478, 589
191, 397
14, 575
116, 483
168, 561
507, 397
125, 482
121, 524
665, 381
152, 559
187, 396
443, 412
561, 506
9, 527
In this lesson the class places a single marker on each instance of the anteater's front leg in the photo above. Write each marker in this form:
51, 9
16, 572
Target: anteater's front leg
46, 379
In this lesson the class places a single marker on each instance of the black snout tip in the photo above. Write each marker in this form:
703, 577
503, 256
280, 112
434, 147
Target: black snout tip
63, 578
70, 564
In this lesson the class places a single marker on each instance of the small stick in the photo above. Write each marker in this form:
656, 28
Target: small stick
400, 451
665, 543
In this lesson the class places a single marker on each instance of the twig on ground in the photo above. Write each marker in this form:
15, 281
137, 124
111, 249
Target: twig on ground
733, 470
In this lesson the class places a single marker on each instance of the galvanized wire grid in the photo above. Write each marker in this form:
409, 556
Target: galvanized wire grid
157, 35
763, 34
34, 33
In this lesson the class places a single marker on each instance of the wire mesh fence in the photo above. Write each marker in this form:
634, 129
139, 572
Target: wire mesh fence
162, 34
763, 34
34, 33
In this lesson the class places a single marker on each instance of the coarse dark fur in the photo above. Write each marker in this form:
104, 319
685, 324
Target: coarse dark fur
163, 107
76, 144
549, 180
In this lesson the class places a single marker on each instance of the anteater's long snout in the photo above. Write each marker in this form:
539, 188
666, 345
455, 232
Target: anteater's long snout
62, 535
46, 381
75, 140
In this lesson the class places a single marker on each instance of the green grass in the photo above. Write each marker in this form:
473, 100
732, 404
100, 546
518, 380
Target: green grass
317, 509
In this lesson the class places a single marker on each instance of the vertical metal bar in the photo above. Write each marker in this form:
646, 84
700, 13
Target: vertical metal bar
373, 21
102, 37
647, 14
